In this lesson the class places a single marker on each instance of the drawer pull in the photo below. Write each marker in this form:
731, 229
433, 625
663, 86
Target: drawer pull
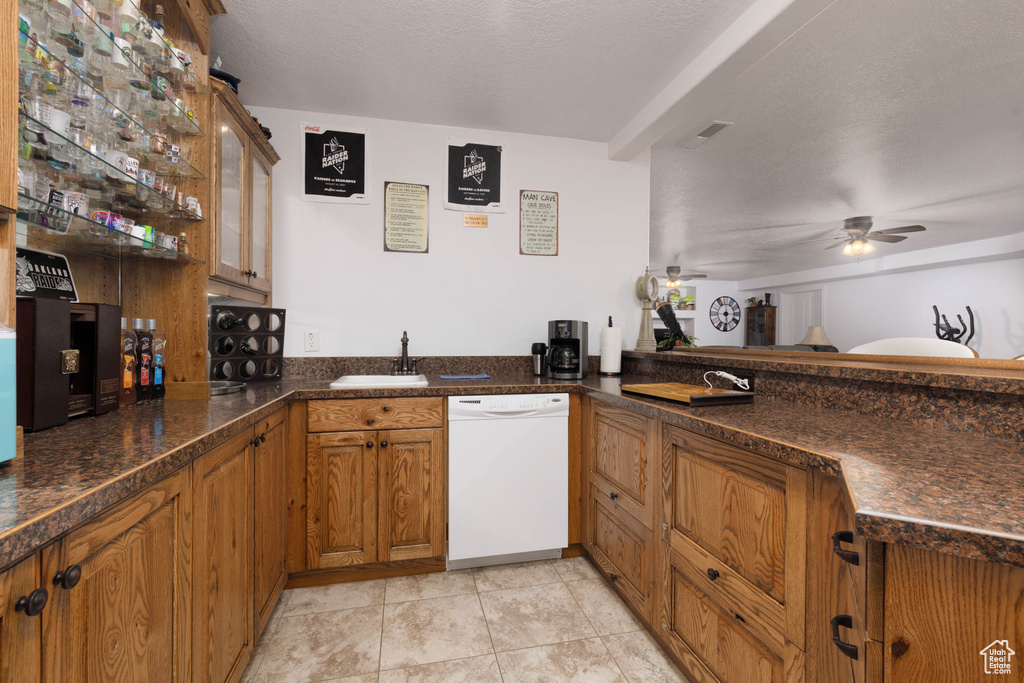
33, 604
613, 577
846, 621
851, 556
369, 444
713, 574
739, 618
613, 495
68, 578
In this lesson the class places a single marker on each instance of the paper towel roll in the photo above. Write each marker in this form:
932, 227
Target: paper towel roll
611, 349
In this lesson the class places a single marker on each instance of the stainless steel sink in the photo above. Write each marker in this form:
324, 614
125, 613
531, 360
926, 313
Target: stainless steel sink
379, 381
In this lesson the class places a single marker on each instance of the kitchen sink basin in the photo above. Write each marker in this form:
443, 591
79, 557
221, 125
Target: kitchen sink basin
379, 381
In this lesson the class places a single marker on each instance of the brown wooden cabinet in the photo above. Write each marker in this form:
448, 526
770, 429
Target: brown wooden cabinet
119, 592
622, 467
761, 321
222, 585
21, 626
270, 515
844, 586
374, 496
243, 159
623, 549
411, 513
341, 499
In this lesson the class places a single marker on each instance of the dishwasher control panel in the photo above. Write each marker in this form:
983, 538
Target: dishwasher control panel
481, 407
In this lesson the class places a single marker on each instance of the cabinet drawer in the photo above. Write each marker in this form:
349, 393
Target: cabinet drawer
623, 548
715, 640
742, 514
356, 414
621, 442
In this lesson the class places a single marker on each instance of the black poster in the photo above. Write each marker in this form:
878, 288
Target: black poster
334, 165
474, 178
42, 275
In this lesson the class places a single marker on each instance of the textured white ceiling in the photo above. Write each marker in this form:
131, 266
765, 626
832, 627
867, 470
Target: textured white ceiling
564, 68
908, 110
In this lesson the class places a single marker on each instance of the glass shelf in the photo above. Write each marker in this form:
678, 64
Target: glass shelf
181, 170
193, 84
185, 125
38, 220
140, 72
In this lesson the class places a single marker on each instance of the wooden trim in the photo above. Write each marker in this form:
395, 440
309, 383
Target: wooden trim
365, 572
796, 556
186, 390
9, 119
899, 363
296, 561
21, 641
218, 287
228, 97
575, 469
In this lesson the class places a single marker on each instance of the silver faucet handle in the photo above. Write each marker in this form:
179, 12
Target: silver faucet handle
394, 367
414, 366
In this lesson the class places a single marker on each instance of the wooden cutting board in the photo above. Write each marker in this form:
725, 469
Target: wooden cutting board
691, 394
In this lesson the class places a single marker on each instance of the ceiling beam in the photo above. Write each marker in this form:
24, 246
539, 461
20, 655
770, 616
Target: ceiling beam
689, 98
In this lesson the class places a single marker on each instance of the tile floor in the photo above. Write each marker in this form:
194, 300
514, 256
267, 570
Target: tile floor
540, 621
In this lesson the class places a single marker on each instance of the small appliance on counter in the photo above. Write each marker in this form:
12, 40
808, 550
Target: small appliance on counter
567, 349
68, 360
246, 343
540, 358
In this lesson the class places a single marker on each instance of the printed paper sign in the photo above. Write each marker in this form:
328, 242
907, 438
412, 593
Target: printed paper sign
473, 178
474, 221
334, 165
538, 223
405, 217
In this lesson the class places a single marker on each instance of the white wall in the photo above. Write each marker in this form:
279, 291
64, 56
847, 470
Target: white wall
472, 294
859, 310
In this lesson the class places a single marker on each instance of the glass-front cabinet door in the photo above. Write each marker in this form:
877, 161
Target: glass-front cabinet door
259, 260
230, 190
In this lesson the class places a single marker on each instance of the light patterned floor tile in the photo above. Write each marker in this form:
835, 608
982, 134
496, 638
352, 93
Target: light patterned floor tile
603, 607
333, 597
505, 576
534, 615
579, 661
640, 657
574, 569
434, 630
321, 646
426, 586
473, 670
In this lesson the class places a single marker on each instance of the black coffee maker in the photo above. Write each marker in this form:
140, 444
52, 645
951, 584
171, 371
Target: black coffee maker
567, 349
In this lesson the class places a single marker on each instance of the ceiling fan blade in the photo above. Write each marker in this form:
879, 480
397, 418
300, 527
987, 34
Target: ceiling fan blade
837, 244
897, 231
824, 239
693, 276
879, 237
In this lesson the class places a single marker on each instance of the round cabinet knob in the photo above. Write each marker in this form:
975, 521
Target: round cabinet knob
68, 578
254, 274
613, 495
713, 574
369, 444
263, 437
32, 604
383, 444
613, 577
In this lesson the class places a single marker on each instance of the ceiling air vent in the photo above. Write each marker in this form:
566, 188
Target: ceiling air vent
700, 138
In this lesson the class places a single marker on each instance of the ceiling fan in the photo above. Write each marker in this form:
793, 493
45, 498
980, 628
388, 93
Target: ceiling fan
676, 277
859, 236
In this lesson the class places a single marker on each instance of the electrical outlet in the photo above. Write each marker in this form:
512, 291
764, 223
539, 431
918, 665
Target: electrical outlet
311, 341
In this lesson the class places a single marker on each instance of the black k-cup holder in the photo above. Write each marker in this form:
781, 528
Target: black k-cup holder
246, 343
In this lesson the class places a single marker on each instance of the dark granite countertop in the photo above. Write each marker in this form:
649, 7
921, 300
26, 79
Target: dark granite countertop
912, 485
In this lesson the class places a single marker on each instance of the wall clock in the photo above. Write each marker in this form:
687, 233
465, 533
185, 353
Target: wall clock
725, 313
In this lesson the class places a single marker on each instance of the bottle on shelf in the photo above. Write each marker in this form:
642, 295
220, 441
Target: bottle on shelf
144, 361
129, 343
159, 357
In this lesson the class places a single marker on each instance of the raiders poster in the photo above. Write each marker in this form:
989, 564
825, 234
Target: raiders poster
473, 178
334, 165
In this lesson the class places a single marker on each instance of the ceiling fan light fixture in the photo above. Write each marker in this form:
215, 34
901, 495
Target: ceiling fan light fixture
673, 276
868, 247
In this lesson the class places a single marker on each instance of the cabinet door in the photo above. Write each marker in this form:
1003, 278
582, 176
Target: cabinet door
222, 596
412, 494
229, 238
260, 221
744, 516
622, 442
20, 634
624, 550
270, 514
844, 577
124, 614
341, 499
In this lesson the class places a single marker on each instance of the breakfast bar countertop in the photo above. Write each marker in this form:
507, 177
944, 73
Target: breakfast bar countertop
923, 486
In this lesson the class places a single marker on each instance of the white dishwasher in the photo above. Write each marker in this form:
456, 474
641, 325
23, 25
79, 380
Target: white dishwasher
508, 478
